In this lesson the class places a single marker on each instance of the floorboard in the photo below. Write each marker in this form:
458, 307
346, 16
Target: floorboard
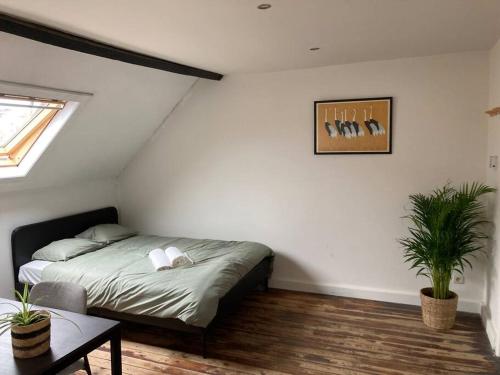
284, 332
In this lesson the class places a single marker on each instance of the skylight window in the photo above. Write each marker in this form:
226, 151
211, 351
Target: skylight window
30, 119
22, 121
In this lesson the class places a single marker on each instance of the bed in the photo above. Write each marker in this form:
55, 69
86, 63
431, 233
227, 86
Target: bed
122, 284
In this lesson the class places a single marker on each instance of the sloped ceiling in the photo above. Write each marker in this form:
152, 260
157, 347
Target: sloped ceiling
230, 36
128, 103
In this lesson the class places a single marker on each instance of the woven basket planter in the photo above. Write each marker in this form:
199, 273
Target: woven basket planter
31, 341
438, 313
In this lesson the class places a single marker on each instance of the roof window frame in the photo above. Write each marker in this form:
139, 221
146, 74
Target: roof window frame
46, 130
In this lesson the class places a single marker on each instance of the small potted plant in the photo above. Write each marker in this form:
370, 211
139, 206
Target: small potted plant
447, 228
30, 329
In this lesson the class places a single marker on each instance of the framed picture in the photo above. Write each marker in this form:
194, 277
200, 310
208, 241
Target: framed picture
353, 126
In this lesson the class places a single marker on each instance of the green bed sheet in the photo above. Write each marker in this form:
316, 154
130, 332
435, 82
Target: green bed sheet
120, 277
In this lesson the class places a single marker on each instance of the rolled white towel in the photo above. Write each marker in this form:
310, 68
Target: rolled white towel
159, 259
172, 257
177, 257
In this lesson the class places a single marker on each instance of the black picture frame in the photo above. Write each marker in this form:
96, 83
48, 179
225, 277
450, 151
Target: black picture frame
390, 127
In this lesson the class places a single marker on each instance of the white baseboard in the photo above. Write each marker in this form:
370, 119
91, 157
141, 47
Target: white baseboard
491, 331
366, 293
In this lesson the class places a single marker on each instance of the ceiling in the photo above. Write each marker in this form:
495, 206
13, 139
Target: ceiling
229, 36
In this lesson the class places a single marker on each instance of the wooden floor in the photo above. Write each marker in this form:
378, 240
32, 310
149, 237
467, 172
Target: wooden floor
282, 332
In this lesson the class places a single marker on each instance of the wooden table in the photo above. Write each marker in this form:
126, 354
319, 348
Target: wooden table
68, 345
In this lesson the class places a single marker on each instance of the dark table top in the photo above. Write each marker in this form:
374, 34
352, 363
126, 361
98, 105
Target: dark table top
66, 341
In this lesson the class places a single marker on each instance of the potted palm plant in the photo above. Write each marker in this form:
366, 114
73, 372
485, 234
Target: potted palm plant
30, 329
447, 227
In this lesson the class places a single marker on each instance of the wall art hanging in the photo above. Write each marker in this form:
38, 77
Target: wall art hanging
353, 126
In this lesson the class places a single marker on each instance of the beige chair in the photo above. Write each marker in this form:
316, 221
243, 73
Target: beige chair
63, 296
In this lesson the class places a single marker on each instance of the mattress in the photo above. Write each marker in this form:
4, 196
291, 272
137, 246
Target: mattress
120, 277
31, 272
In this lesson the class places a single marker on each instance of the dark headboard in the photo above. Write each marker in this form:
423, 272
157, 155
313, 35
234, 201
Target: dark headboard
27, 239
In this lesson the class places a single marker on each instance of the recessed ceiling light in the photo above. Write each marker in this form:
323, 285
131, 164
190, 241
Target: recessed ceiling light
264, 6
314, 49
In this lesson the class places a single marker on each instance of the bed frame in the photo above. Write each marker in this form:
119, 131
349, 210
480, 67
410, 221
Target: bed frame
29, 238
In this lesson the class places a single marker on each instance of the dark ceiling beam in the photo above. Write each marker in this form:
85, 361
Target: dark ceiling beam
59, 38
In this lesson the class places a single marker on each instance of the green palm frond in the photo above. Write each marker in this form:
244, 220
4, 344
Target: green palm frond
447, 228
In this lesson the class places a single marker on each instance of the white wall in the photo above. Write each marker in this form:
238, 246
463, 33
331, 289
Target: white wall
20, 208
235, 161
491, 312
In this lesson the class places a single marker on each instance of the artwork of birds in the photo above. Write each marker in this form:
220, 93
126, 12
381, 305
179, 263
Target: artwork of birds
345, 126
353, 126
337, 123
371, 124
332, 132
379, 126
358, 129
374, 127
348, 126
351, 129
